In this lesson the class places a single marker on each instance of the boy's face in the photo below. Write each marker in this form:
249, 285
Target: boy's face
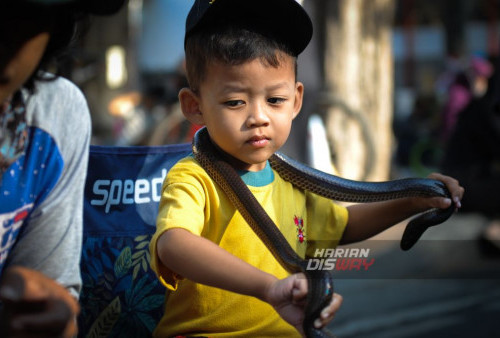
248, 109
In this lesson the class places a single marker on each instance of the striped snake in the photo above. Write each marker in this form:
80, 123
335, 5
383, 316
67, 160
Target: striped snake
320, 282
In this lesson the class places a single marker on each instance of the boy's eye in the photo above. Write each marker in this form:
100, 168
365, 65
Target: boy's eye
234, 103
276, 100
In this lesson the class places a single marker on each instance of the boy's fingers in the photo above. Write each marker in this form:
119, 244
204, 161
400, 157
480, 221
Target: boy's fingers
299, 292
328, 313
439, 202
456, 190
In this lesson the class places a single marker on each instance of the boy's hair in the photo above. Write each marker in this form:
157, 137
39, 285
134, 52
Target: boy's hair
235, 31
230, 45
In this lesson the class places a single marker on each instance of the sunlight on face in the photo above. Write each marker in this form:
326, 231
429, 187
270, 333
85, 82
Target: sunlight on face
248, 109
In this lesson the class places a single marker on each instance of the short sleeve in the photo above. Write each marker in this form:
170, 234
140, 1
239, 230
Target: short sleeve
181, 206
327, 220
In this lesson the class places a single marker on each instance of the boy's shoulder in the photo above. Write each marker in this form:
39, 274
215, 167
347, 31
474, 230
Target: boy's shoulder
186, 170
187, 163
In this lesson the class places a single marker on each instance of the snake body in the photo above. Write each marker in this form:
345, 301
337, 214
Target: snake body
320, 282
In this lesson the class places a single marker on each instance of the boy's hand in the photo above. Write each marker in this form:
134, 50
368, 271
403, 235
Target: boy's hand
456, 191
288, 297
35, 306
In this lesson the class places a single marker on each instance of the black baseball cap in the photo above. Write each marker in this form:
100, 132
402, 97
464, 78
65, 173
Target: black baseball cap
283, 20
97, 7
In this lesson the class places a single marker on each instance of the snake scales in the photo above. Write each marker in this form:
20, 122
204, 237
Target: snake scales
320, 282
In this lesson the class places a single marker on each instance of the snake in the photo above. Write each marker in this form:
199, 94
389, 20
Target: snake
320, 282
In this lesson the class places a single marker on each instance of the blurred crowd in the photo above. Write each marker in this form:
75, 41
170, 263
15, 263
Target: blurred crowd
152, 116
457, 132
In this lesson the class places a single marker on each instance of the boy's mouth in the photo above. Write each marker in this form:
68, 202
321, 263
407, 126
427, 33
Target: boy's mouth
258, 141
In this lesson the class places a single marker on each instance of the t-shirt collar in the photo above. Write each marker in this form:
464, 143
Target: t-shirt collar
258, 178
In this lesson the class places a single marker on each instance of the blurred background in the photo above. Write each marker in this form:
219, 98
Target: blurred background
377, 74
394, 88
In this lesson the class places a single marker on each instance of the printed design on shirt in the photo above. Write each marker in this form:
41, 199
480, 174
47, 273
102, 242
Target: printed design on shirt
14, 131
10, 225
31, 178
299, 223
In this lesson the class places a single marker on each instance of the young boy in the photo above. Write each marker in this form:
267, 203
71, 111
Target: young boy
241, 65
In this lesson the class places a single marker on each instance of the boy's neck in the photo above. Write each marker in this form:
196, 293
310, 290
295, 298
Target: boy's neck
257, 178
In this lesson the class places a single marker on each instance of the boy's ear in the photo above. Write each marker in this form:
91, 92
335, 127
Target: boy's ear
299, 97
190, 106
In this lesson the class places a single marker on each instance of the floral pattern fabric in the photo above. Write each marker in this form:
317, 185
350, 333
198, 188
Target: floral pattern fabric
13, 131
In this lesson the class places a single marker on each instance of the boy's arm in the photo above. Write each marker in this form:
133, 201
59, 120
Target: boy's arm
202, 261
367, 220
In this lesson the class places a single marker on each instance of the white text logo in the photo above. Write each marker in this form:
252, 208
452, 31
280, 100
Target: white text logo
117, 192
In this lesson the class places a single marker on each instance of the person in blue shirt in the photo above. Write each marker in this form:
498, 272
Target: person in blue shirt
44, 137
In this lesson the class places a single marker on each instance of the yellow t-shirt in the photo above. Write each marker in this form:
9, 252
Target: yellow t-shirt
192, 201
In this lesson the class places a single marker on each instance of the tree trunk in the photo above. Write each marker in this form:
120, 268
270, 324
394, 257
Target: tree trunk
358, 66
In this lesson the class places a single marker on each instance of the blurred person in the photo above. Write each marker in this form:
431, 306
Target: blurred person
452, 66
422, 136
468, 84
130, 118
174, 127
152, 116
416, 134
44, 139
473, 157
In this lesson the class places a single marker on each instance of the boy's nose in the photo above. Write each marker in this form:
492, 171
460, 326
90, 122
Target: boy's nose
257, 117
